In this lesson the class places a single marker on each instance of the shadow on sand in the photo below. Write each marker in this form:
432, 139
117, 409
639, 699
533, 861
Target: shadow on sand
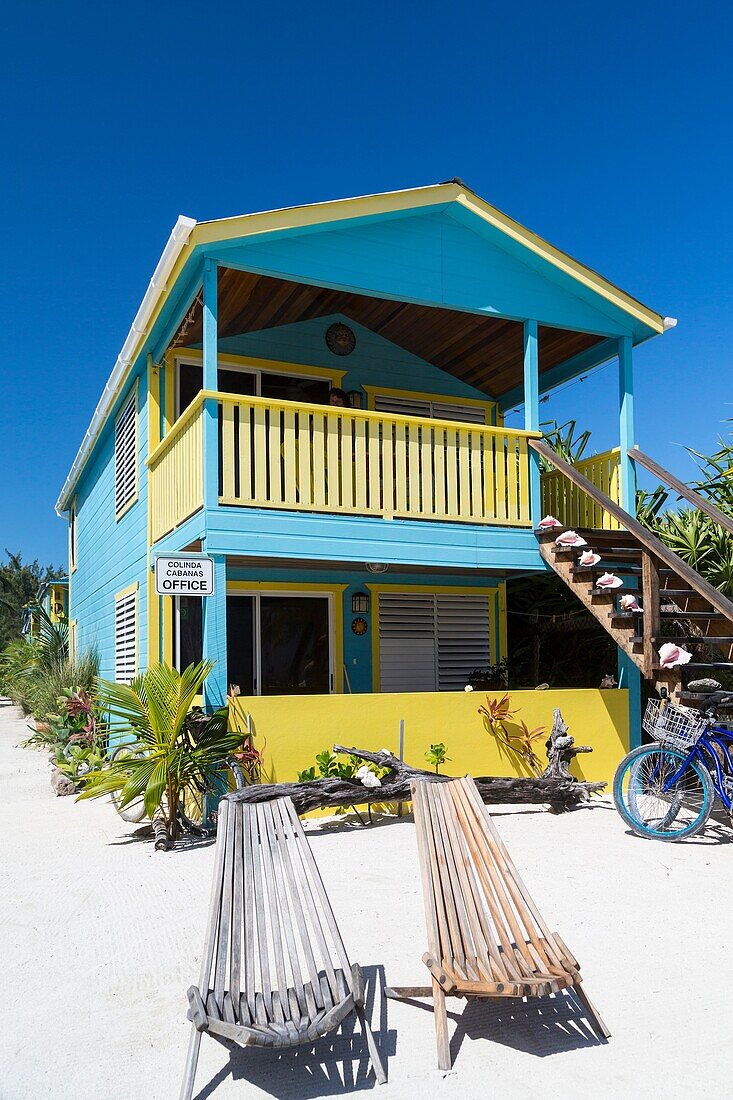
334, 1066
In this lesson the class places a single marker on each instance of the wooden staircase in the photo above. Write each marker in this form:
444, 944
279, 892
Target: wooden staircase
677, 604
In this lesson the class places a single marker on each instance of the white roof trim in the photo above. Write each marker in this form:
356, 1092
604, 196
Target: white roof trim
176, 242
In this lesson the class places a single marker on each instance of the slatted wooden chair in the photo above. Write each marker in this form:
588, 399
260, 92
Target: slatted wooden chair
274, 971
486, 937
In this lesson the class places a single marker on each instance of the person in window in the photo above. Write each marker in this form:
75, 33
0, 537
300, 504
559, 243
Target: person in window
338, 397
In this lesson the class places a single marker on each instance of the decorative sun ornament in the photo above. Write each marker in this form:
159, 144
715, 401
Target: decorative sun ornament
359, 627
340, 339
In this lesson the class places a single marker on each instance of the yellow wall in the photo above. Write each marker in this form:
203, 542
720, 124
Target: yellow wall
290, 730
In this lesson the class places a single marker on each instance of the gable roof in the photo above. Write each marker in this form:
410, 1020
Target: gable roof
188, 234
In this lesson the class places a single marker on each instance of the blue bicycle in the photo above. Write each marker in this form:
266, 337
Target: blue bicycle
667, 790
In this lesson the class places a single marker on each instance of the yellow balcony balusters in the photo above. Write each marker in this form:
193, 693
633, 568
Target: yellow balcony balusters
564, 501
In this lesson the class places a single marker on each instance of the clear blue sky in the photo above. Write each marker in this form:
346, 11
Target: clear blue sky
606, 128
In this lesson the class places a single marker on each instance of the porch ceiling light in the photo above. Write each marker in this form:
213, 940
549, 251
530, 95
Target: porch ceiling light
360, 603
377, 566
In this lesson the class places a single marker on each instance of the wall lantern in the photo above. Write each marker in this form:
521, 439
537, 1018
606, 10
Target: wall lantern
360, 603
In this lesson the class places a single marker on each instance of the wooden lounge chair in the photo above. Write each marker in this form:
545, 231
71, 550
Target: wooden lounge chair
486, 937
274, 971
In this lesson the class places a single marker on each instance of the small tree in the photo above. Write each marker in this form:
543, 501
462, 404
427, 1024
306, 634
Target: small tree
164, 759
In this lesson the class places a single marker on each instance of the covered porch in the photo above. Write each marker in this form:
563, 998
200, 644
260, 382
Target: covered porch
242, 420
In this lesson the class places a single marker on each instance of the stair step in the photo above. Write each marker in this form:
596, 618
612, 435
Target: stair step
709, 664
668, 614
680, 592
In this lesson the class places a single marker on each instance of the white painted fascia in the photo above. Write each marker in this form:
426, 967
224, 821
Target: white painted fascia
174, 246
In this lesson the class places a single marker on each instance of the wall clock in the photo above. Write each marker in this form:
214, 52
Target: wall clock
340, 339
359, 626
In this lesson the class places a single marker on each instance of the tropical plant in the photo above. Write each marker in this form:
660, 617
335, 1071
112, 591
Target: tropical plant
166, 760
37, 673
496, 715
437, 755
329, 766
493, 676
565, 442
693, 535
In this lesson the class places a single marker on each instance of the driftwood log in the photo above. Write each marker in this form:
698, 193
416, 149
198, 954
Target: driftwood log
559, 792
561, 749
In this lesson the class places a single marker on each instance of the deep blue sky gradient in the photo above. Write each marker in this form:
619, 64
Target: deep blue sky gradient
606, 128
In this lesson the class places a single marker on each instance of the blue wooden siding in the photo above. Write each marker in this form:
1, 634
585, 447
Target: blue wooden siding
110, 555
435, 259
264, 532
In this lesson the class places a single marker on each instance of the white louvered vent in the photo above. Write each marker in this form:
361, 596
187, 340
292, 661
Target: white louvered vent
125, 453
125, 642
464, 638
431, 642
440, 410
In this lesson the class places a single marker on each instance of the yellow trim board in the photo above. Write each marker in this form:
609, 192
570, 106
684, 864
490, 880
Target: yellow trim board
431, 590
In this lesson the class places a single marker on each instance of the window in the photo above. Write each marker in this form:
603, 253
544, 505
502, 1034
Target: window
126, 635
126, 455
72, 536
426, 407
432, 641
252, 382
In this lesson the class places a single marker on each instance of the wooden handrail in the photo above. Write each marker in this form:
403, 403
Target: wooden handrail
685, 491
714, 597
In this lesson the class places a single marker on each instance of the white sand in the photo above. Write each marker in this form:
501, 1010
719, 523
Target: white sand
101, 936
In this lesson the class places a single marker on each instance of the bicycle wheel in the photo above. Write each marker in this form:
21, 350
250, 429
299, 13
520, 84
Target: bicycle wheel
134, 812
198, 804
649, 806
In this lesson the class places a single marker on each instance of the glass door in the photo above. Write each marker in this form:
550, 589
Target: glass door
280, 644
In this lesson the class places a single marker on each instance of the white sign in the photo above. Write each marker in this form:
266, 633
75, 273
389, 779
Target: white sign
184, 575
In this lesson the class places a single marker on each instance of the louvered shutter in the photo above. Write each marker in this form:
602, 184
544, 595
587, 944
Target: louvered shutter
431, 642
440, 410
464, 641
125, 641
407, 642
125, 457
450, 410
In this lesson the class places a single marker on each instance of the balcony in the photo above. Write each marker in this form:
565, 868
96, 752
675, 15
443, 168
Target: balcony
314, 458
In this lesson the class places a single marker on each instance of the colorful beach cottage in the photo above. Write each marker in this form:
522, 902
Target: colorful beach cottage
313, 399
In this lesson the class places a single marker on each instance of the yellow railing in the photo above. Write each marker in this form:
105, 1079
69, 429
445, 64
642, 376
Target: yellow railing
176, 472
316, 458
564, 501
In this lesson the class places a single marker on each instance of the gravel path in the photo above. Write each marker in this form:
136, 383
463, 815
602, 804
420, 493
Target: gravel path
101, 936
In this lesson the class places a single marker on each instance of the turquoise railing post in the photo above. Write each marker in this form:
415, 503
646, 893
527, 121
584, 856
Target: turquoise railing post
627, 669
626, 424
532, 414
210, 382
215, 636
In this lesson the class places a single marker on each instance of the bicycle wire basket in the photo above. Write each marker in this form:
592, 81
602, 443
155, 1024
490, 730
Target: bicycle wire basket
676, 727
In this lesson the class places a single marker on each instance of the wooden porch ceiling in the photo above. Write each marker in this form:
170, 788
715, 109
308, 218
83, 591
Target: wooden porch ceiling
485, 352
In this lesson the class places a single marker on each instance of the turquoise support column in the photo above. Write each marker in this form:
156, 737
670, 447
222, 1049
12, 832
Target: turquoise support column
626, 424
211, 382
215, 636
532, 413
630, 678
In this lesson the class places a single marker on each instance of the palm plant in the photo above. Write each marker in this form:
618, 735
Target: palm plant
565, 442
165, 760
